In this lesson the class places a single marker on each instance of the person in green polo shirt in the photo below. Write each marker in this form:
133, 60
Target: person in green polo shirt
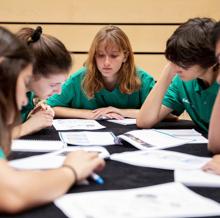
109, 85
23, 189
188, 81
51, 67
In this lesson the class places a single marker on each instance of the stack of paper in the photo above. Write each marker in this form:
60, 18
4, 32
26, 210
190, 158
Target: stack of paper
126, 121
166, 200
36, 145
161, 159
54, 159
76, 124
197, 178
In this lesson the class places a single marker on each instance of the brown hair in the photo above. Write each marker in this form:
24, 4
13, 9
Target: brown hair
128, 79
190, 44
216, 34
14, 57
51, 56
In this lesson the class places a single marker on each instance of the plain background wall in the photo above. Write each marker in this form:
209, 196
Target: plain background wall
148, 23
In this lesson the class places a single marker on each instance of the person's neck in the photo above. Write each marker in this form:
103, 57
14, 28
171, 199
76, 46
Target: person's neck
209, 76
110, 83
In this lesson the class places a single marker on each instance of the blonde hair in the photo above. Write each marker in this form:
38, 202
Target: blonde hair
127, 76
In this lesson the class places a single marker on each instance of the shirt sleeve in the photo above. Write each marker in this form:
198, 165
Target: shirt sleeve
172, 97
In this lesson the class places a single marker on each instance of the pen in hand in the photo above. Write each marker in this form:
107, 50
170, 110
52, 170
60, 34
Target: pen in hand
97, 179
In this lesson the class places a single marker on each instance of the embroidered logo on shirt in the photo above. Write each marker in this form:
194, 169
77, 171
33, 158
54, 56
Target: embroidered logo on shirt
185, 100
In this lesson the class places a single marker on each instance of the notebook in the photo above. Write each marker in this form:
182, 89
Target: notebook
37, 145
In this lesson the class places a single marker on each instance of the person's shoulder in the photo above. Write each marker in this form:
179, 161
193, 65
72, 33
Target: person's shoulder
79, 74
143, 74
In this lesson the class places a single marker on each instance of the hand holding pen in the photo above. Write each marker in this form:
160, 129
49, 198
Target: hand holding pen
83, 164
42, 106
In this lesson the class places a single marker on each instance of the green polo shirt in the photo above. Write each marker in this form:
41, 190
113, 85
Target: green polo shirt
192, 97
2, 155
27, 108
72, 95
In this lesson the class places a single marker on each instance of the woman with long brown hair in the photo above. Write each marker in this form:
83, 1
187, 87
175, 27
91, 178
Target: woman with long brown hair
110, 85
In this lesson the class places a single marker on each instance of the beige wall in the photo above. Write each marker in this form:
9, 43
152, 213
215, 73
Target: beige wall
148, 23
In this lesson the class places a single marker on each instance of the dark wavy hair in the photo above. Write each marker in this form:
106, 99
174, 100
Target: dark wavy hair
14, 57
190, 44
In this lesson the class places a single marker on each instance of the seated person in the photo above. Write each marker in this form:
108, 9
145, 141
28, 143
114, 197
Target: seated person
188, 81
51, 66
109, 85
20, 189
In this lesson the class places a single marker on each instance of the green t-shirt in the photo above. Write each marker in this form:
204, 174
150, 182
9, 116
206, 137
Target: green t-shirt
2, 155
192, 97
73, 96
27, 108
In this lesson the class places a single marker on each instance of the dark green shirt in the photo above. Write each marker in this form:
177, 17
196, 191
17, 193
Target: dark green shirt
30, 105
192, 97
73, 96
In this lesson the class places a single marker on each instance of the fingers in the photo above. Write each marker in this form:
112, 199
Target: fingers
115, 116
212, 166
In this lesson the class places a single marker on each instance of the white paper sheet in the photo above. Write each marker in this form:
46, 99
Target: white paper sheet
88, 138
150, 139
188, 134
54, 159
37, 145
197, 178
166, 200
76, 124
161, 159
126, 121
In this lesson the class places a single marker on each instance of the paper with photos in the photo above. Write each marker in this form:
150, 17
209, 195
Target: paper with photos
147, 139
161, 159
76, 124
167, 200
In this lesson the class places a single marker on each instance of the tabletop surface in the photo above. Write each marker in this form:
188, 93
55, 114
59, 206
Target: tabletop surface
118, 175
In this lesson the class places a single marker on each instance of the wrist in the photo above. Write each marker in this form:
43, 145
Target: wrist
73, 172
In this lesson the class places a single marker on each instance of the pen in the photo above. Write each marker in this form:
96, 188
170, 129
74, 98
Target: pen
98, 179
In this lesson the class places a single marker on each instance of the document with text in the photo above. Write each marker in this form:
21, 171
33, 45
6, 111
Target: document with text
161, 159
187, 134
86, 138
167, 200
76, 124
151, 139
